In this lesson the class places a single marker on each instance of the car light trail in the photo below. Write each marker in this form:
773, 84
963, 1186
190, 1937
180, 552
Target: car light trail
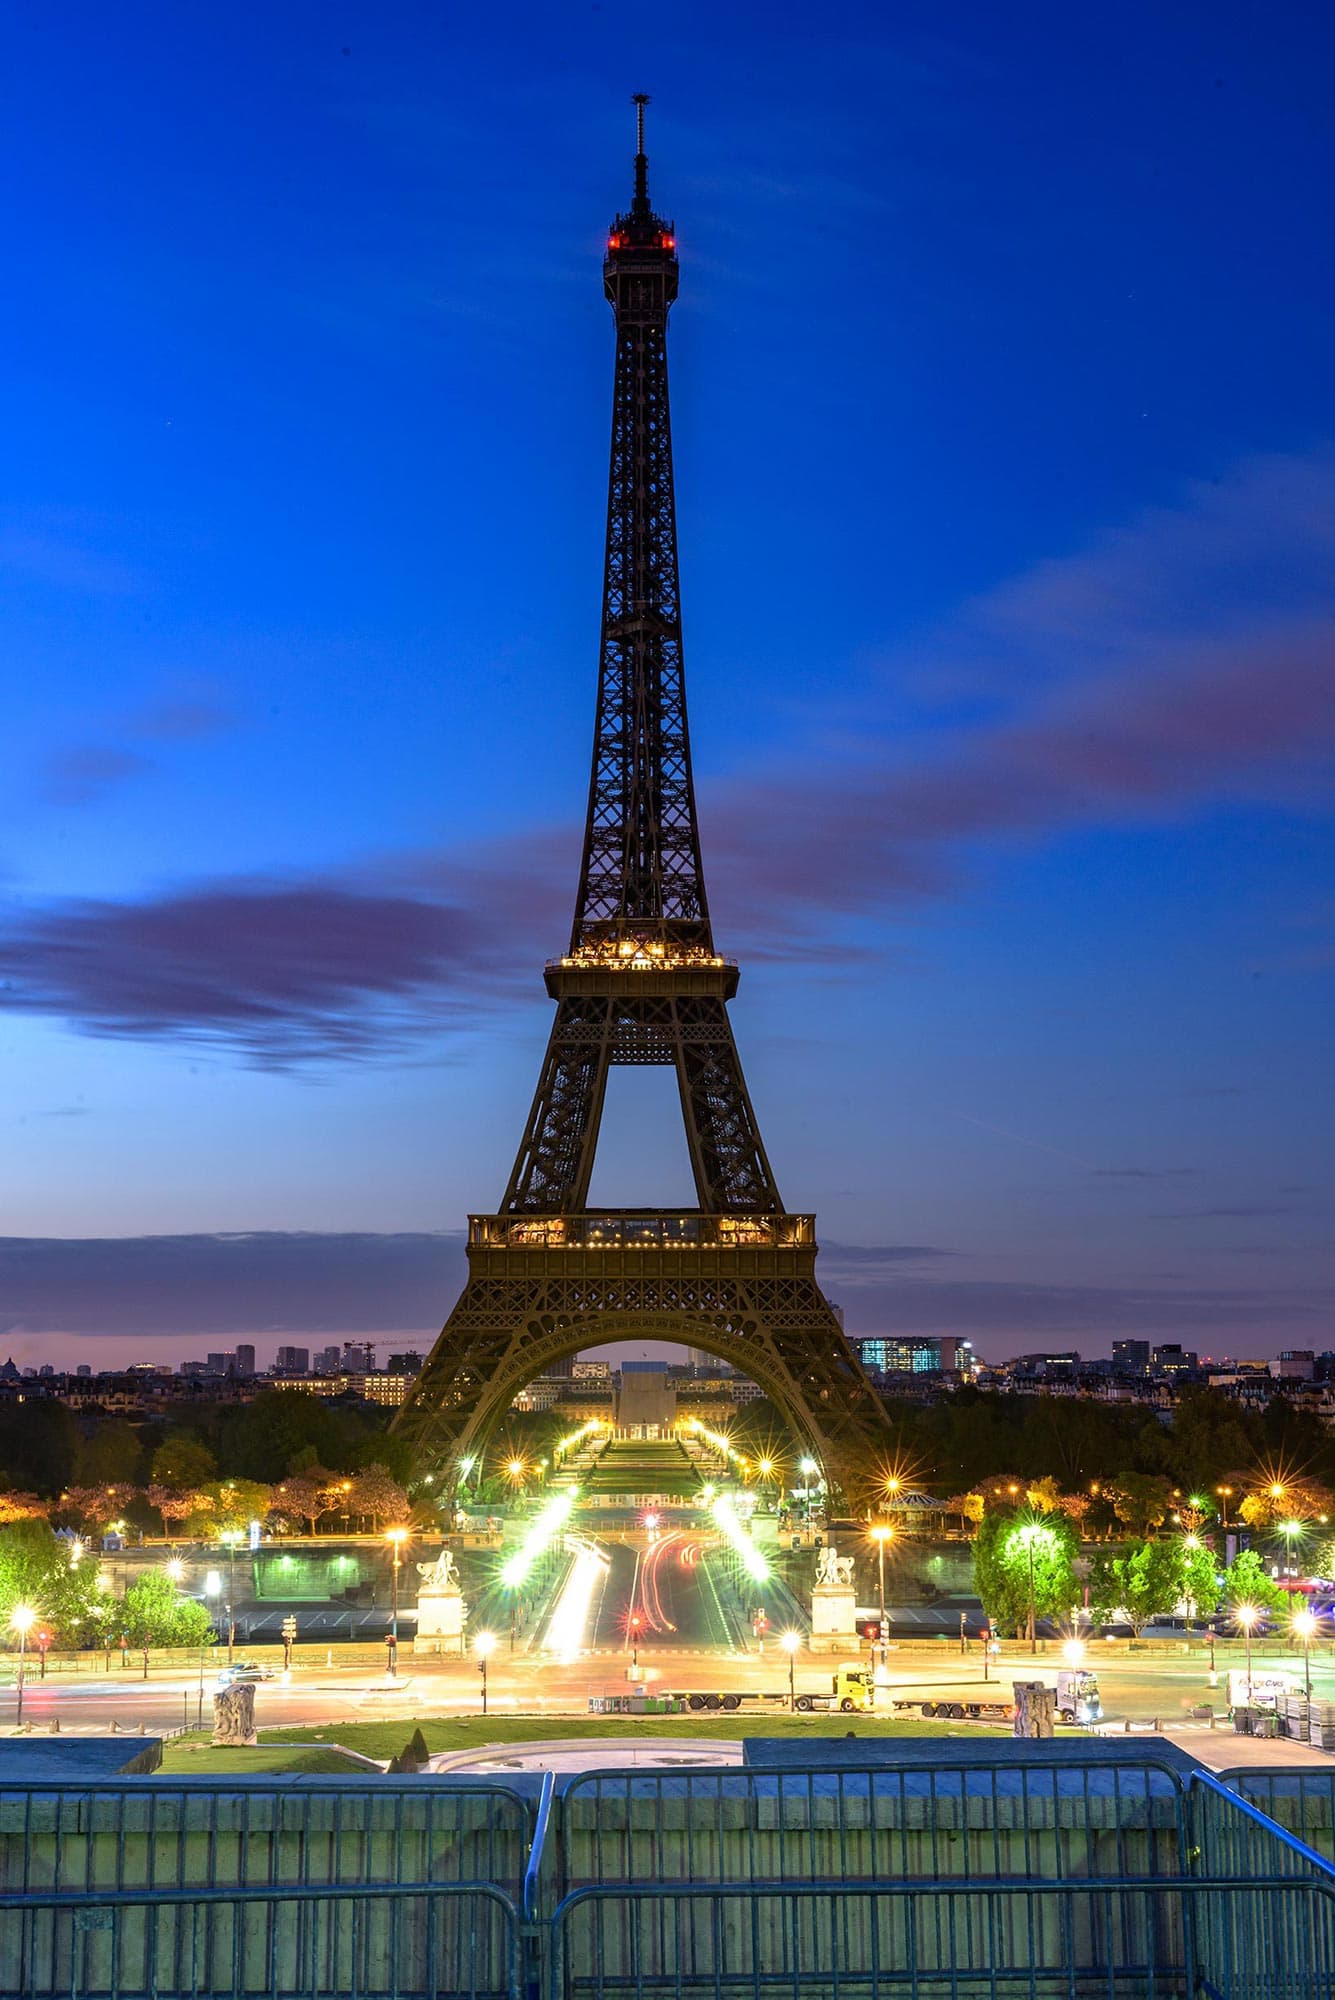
543, 1531
725, 1516
567, 1629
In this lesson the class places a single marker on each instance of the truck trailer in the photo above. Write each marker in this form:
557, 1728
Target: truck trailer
851, 1689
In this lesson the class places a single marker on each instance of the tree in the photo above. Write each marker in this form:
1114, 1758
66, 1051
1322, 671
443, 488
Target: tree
1141, 1501
1202, 1585
377, 1497
183, 1460
38, 1441
1246, 1581
21, 1507
153, 1613
1145, 1583
306, 1496
110, 1456
94, 1508
228, 1506
37, 1568
174, 1503
1001, 1566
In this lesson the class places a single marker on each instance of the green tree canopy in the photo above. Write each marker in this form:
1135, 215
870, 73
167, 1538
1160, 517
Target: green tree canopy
1247, 1581
153, 1613
183, 1460
1144, 1584
1001, 1565
109, 1455
37, 1570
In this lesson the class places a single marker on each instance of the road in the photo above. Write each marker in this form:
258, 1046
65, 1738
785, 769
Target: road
1137, 1687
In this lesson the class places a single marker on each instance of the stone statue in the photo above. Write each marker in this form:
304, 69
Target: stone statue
438, 1576
234, 1715
833, 1570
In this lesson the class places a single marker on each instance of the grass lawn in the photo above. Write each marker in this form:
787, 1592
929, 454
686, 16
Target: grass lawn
385, 1739
196, 1757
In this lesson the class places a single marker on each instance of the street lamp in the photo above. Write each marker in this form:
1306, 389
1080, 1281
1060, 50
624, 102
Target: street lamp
22, 1618
396, 1537
1304, 1625
808, 1469
881, 1533
230, 1538
176, 1569
1225, 1494
1030, 1533
1292, 1532
1246, 1615
484, 1646
634, 1641
790, 1641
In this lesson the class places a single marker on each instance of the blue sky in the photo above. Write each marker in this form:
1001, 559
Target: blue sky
1006, 480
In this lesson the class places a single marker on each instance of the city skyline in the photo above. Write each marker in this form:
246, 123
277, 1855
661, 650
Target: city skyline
1010, 762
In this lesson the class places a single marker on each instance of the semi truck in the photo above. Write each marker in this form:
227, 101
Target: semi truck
851, 1689
1077, 1699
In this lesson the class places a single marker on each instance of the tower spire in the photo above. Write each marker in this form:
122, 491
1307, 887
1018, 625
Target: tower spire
641, 209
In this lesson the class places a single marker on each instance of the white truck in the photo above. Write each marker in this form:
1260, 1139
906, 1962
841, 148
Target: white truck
1078, 1699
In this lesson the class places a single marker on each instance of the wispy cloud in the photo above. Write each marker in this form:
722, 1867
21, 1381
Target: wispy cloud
86, 772
1182, 661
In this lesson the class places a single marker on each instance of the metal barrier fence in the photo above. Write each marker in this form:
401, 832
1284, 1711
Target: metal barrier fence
1300, 1801
252, 1833
404, 1943
1117, 1939
1232, 1836
1030, 1820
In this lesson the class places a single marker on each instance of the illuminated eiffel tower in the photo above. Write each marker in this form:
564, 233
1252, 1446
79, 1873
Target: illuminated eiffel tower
642, 983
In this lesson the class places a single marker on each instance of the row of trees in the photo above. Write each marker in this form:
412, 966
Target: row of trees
214, 1508
45, 1448
1143, 1503
1017, 1551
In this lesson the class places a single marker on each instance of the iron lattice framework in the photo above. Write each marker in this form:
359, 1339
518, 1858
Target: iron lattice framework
642, 983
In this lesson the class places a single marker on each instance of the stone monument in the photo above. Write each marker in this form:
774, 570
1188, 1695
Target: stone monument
834, 1625
440, 1607
234, 1716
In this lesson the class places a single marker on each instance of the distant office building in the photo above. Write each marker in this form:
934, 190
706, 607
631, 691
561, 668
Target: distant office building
193, 1371
591, 1371
1131, 1357
245, 1360
220, 1364
923, 1354
1296, 1364
405, 1364
328, 1361
1060, 1367
1172, 1359
292, 1361
358, 1359
83, 1370
377, 1385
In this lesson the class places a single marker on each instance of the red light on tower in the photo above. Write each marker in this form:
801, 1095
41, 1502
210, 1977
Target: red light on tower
668, 242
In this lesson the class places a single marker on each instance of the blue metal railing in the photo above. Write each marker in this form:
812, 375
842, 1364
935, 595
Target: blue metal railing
142, 1833
408, 1942
1299, 1800
1120, 1939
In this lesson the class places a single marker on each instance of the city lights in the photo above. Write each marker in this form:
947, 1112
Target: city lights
542, 1532
740, 1542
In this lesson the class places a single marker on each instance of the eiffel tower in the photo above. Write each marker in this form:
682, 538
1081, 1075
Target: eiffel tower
642, 983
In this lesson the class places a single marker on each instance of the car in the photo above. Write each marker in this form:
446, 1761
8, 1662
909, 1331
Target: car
244, 1671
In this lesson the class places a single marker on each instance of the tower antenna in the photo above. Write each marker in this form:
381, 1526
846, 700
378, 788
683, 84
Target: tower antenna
639, 100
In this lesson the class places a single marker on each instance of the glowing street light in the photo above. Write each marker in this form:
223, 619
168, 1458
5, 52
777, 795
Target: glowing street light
1225, 1494
484, 1646
790, 1641
175, 1569
22, 1618
881, 1533
1304, 1625
396, 1537
1033, 1532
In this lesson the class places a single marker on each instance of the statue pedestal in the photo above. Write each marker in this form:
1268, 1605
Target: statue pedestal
440, 1621
834, 1623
